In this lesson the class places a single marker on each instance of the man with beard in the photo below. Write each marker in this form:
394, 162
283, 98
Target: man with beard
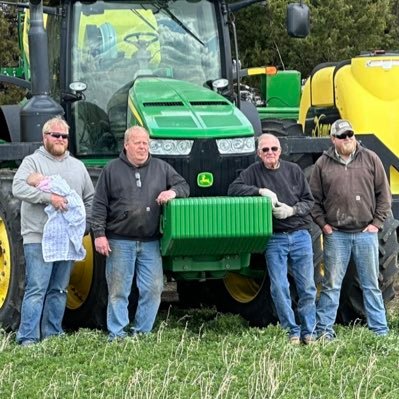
352, 200
43, 305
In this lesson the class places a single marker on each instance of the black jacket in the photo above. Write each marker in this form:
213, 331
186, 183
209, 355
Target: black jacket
124, 205
290, 185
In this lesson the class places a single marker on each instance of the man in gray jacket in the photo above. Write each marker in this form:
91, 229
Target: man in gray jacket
125, 222
352, 200
44, 301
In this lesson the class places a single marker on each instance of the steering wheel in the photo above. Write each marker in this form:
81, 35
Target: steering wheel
135, 39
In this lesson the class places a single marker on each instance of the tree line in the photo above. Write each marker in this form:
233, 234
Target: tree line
9, 53
340, 29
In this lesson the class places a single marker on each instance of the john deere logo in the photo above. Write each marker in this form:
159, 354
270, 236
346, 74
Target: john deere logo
205, 179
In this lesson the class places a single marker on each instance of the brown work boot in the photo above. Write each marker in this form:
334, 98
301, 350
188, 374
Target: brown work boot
294, 340
308, 340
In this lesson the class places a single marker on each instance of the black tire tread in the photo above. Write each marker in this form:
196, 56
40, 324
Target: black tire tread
92, 313
10, 312
351, 304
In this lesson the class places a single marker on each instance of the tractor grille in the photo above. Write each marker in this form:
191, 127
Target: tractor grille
205, 157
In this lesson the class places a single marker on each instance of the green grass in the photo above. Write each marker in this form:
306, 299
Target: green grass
202, 354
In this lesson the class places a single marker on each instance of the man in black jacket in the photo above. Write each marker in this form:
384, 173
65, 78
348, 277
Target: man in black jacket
285, 184
125, 222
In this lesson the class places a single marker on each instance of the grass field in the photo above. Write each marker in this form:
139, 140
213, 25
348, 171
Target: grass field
203, 354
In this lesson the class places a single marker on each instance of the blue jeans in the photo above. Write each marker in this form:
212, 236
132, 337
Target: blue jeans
127, 258
338, 248
44, 301
296, 249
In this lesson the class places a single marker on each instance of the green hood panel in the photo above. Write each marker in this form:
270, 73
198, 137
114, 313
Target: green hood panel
172, 108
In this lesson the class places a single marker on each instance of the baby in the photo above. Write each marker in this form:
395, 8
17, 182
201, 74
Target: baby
40, 181
63, 232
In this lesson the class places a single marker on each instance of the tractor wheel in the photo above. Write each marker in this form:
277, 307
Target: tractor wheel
87, 291
195, 293
248, 297
351, 302
316, 234
12, 263
251, 297
288, 128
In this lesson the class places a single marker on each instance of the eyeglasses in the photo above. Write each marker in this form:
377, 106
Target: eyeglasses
345, 135
267, 149
138, 179
57, 135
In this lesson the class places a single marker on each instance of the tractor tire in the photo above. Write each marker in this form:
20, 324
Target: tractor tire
248, 297
87, 291
12, 271
251, 298
288, 128
351, 302
88, 294
282, 127
195, 293
316, 234
12, 262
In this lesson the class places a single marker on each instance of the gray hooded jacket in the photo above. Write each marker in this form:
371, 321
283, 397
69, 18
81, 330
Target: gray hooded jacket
33, 216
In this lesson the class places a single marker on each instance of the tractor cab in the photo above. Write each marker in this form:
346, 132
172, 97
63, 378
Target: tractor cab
114, 43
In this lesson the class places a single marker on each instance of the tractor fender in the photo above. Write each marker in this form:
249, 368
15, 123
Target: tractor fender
10, 123
250, 111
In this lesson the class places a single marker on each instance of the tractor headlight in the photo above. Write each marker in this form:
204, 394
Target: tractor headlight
239, 145
171, 147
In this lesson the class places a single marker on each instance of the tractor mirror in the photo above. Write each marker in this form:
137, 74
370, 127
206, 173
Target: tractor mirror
298, 20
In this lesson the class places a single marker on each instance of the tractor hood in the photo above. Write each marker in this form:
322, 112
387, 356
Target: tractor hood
171, 108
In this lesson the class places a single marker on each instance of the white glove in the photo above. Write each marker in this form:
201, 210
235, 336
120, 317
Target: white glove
265, 192
283, 211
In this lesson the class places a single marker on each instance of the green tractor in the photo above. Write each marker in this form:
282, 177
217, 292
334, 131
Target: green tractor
167, 65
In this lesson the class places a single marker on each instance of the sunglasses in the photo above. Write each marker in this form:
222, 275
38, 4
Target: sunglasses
58, 135
267, 149
345, 135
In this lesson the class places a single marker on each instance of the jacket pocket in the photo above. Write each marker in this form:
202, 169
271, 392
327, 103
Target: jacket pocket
140, 221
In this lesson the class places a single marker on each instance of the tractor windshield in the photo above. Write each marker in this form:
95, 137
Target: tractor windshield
114, 42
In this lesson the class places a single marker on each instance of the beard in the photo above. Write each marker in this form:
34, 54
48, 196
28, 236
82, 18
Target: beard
347, 148
55, 149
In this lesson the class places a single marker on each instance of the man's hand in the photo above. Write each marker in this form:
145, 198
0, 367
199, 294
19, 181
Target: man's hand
102, 245
371, 229
165, 196
59, 203
327, 229
283, 211
265, 192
